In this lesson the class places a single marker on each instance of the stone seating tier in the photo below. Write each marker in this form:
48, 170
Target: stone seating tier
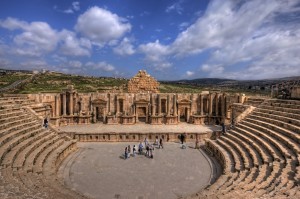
283, 143
246, 158
269, 138
267, 141
26, 146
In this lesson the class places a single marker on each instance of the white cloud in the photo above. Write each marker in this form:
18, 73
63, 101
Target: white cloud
34, 64
73, 46
68, 11
175, 7
154, 51
100, 66
13, 24
76, 6
183, 25
189, 73
35, 39
254, 39
75, 64
101, 26
38, 38
124, 48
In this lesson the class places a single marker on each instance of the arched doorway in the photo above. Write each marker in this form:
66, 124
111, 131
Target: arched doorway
183, 114
184, 108
100, 114
99, 110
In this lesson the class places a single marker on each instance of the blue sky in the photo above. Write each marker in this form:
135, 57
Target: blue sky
181, 39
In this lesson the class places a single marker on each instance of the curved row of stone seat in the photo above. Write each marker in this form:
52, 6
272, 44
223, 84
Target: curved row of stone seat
253, 101
266, 143
30, 156
6, 102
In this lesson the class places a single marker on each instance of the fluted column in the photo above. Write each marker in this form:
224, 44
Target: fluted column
175, 107
201, 104
217, 104
64, 104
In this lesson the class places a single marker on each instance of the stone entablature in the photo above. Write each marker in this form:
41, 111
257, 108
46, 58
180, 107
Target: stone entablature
71, 107
142, 82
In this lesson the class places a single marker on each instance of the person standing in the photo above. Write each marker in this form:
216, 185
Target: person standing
129, 150
45, 123
140, 148
151, 151
197, 144
133, 150
146, 142
181, 138
161, 143
147, 150
223, 128
126, 153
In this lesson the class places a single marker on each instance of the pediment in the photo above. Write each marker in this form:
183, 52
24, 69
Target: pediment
184, 101
141, 101
99, 101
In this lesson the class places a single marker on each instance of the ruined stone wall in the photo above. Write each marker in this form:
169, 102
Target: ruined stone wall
70, 107
143, 82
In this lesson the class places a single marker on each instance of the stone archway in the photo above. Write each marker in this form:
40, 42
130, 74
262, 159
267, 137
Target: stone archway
184, 109
183, 114
99, 110
142, 111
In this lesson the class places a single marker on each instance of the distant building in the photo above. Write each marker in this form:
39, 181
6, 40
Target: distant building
142, 82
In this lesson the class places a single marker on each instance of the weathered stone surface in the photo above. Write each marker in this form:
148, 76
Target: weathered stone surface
142, 82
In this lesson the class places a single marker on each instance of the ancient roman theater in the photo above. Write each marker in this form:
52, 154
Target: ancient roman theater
234, 146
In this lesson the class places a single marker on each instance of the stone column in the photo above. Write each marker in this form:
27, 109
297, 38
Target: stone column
188, 114
175, 106
201, 104
95, 114
168, 105
91, 105
147, 113
136, 114
217, 104
207, 104
64, 104
108, 102
71, 104
159, 105
57, 110
222, 105
210, 104
118, 106
153, 105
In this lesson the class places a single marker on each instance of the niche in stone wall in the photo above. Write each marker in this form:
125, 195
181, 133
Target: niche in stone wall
163, 105
121, 105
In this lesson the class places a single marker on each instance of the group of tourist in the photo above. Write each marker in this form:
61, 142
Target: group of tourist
147, 146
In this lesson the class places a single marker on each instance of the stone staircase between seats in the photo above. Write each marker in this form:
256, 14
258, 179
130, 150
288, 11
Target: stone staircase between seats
260, 155
30, 154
